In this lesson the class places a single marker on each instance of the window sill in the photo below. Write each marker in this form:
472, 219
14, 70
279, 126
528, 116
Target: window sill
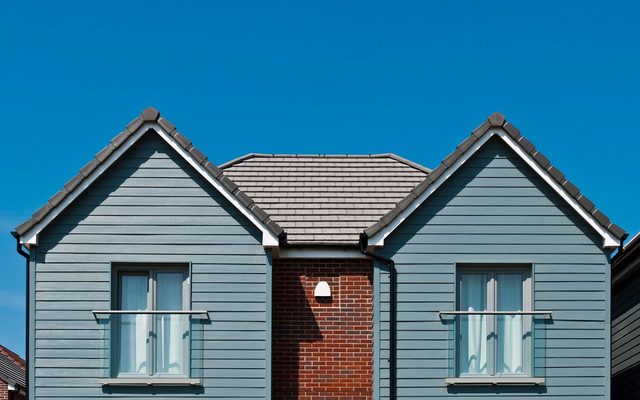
495, 381
150, 382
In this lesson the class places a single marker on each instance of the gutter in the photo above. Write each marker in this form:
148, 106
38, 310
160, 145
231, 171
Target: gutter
27, 258
393, 283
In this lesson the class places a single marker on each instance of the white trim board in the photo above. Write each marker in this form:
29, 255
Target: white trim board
319, 252
31, 236
609, 241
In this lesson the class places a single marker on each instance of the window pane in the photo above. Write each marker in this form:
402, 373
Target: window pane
134, 329
510, 343
473, 328
172, 329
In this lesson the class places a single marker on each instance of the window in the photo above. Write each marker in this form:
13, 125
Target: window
148, 342
494, 338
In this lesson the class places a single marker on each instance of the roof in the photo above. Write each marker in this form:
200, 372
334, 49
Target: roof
512, 135
12, 367
322, 199
325, 199
149, 118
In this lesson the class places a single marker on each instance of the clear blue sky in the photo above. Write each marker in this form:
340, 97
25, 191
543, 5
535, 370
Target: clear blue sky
409, 77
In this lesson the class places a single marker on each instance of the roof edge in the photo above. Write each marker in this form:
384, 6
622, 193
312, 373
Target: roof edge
150, 115
410, 163
393, 156
497, 120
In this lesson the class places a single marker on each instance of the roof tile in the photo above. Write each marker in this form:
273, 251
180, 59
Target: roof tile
496, 119
585, 203
512, 130
42, 211
58, 197
118, 140
89, 167
571, 188
212, 169
166, 125
182, 140
150, 114
104, 153
321, 199
198, 155
526, 145
556, 174
482, 129
541, 159
135, 124
601, 218
468, 142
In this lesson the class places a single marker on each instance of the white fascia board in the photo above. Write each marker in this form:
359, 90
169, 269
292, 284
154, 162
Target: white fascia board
31, 236
319, 252
609, 241
268, 238
377, 240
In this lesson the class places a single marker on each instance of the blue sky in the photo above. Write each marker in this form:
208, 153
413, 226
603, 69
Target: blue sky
409, 77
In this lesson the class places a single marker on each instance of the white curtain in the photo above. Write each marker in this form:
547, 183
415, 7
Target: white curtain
509, 327
473, 328
133, 327
173, 329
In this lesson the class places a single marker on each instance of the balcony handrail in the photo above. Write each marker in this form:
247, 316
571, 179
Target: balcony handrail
461, 312
202, 314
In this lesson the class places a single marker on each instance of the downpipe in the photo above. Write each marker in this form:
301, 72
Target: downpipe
27, 258
393, 283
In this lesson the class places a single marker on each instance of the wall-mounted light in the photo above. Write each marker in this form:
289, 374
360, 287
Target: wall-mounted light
322, 290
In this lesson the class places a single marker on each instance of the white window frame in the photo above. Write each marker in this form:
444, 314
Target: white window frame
151, 270
527, 302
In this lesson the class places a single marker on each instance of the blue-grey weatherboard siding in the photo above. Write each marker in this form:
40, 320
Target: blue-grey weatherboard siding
495, 209
150, 207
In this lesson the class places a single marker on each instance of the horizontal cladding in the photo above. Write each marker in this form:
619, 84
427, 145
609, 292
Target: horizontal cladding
625, 339
496, 210
151, 206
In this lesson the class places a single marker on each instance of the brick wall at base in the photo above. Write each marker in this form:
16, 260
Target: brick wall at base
4, 392
322, 348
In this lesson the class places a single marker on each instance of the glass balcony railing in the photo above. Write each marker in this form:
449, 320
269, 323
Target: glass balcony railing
496, 346
151, 345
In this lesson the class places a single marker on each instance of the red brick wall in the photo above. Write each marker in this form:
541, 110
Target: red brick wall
4, 393
322, 349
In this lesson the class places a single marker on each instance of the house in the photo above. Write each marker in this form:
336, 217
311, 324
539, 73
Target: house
625, 322
12, 375
156, 274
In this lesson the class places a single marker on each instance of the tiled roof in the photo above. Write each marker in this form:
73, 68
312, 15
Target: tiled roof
497, 120
149, 115
325, 199
12, 367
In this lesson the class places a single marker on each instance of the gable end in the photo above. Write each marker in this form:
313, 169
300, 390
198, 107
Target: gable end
149, 120
496, 125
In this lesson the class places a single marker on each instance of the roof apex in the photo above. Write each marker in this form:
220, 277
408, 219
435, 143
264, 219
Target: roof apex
498, 121
148, 115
